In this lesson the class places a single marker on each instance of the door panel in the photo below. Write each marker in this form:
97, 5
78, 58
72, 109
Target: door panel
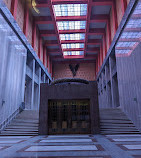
69, 117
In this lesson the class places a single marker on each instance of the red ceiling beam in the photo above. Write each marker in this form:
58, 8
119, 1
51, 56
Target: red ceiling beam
44, 55
54, 2
92, 57
73, 61
72, 41
73, 56
55, 24
53, 50
47, 33
14, 5
71, 31
124, 48
93, 49
109, 33
51, 42
99, 18
98, 31
132, 30
40, 47
114, 16
43, 20
34, 36
26, 20
74, 49
123, 6
42, 5
89, 8
54, 53
101, 2
129, 40
105, 45
71, 18
94, 41
136, 16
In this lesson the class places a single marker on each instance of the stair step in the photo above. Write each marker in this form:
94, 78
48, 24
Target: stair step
114, 121
25, 120
26, 123
117, 125
107, 127
19, 132
21, 127
22, 134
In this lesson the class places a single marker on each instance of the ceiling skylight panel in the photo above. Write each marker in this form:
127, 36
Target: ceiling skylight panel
70, 9
71, 25
131, 35
73, 53
75, 36
77, 10
72, 45
125, 44
122, 51
134, 24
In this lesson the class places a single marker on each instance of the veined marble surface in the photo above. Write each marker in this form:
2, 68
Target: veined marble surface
62, 148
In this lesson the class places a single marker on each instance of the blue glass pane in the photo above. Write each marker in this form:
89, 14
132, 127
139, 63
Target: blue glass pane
70, 9
73, 53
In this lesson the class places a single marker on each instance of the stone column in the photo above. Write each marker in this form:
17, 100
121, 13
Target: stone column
33, 76
39, 88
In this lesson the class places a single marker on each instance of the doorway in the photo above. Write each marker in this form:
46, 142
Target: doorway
69, 117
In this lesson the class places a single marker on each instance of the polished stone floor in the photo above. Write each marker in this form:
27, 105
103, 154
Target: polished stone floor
71, 146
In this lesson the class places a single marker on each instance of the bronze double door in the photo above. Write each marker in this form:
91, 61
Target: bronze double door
69, 117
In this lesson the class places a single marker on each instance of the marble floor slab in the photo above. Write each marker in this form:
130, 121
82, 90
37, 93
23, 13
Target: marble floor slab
125, 135
71, 136
133, 147
62, 148
15, 137
127, 140
65, 140
10, 141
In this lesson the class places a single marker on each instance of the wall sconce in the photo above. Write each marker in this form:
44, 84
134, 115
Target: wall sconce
33, 3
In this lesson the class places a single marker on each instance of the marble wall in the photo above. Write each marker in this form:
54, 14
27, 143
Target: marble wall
129, 80
128, 62
12, 71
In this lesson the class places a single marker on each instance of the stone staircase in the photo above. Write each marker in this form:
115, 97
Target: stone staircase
26, 123
114, 121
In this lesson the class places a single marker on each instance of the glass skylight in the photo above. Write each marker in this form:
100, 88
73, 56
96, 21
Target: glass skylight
131, 35
125, 44
72, 45
138, 9
75, 36
122, 51
134, 23
71, 25
70, 9
73, 52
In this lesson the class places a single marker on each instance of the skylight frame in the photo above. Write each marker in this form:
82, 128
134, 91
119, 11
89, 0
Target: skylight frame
70, 9
71, 25
72, 45
69, 53
75, 36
